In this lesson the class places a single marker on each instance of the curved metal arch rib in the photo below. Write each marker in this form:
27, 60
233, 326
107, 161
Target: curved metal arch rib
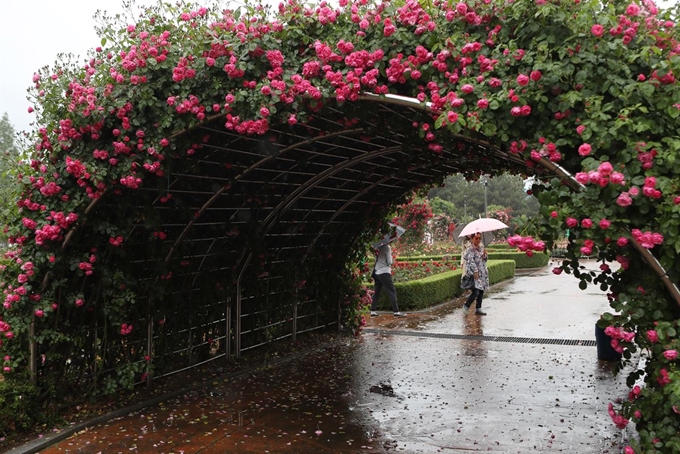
346, 205
302, 190
242, 175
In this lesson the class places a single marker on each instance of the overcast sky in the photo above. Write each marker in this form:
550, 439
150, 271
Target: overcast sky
35, 31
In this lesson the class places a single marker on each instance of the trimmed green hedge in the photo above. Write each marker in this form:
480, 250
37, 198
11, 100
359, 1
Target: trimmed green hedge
522, 260
426, 292
500, 247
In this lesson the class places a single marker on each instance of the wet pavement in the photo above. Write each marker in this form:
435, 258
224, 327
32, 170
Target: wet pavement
524, 378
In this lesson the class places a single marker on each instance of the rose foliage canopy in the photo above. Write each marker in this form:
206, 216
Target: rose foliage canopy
589, 86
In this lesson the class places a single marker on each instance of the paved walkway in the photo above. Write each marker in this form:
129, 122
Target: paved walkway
524, 378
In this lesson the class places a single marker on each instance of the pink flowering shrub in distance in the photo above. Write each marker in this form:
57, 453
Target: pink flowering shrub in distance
572, 82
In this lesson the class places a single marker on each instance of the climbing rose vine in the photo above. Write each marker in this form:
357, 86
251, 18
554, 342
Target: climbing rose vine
587, 85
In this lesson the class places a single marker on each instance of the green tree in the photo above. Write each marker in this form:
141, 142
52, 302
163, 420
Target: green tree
504, 190
9, 156
441, 206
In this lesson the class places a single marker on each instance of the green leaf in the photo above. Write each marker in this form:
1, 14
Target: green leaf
646, 89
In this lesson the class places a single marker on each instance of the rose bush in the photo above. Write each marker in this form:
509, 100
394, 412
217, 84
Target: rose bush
587, 85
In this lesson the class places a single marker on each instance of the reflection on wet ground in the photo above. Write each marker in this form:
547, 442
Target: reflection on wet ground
386, 392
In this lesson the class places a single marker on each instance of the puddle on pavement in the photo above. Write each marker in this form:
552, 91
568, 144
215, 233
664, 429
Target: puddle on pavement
389, 393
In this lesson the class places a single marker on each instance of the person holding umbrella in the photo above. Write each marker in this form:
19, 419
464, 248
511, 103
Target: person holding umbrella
475, 263
474, 258
382, 272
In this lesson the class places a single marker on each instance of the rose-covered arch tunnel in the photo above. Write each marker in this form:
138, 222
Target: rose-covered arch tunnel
264, 223
204, 183
245, 239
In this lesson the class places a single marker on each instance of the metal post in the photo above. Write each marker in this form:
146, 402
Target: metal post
486, 211
227, 337
295, 313
237, 322
237, 327
149, 346
465, 210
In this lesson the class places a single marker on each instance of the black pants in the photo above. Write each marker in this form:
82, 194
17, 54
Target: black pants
384, 280
476, 294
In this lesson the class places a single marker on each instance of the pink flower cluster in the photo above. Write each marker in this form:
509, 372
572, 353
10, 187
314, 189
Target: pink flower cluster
618, 419
647, 239
548, 149
604, 175
663, 379
618, 334
644, 156
649, 188
125, 329
131, 182
526, 244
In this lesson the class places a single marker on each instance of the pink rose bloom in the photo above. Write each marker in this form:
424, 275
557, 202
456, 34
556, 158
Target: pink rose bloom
652, 336
522, 80
597, 30
39, 313
516, 111
624, 200
605, 169
634, 191
586, 223
584, 149
553, 214
571, 223
580, 129
535, 76
670, 355
617, 178
664, 379
467, 89
582, 178
483, 103
633, 10
605, 224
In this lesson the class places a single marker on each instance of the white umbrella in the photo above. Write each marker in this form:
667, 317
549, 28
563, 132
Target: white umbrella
397, 232
482, 225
